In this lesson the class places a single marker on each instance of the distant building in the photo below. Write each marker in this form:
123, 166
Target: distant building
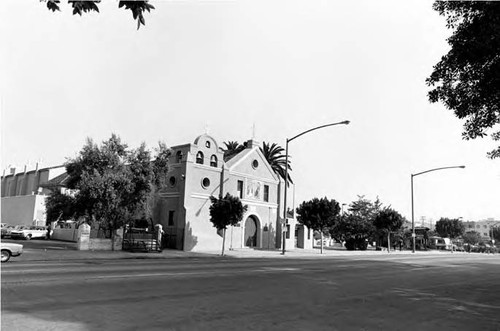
196, 172
23, 194
483, 227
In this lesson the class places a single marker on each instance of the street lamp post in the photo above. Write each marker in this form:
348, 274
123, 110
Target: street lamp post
492, 235
412, 211
286, 173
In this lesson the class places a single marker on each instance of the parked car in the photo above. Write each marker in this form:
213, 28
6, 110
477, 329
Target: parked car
6, 230
29, 232
437, 243
10, 249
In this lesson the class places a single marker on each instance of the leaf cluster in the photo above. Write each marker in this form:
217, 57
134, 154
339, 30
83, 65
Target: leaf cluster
496, 233
472, 238
467, 78
114, 183
388, 219
273, 153
160, 165
352, 226
137, 7
452, 228
276, 157
365, 208
318, 214
226, 211
59, 206
231, 149
367, 219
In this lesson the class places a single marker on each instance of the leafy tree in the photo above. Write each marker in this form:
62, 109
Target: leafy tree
113, 183
59, 206
137, 7
472, 238
224, 212
354, 230
160, 165
365, 208
451, 228
276, 158
318, 214
496, 234
356, 227
467, 78
160, 170
388, 220
106, 197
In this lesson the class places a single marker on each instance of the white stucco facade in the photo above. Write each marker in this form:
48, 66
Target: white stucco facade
197, 171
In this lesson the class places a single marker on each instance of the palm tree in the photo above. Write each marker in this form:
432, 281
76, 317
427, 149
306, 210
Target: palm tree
276, 159
232, 148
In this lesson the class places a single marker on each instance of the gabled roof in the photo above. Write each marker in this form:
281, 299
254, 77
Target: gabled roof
230, 157
241, 156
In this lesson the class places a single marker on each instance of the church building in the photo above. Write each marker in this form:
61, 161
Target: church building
198, 171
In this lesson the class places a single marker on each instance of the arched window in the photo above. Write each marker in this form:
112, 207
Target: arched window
199, 158
213, 161
172, 181
179, 156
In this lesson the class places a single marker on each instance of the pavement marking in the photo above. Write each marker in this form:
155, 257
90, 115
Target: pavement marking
148, 275
278, 269
209, 272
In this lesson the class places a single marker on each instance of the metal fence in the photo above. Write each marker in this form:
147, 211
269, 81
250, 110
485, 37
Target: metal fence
173, 238
141, 239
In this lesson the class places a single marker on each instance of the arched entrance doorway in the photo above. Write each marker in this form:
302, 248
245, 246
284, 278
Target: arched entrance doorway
251, 231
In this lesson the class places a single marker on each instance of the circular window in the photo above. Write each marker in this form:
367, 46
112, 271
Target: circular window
205, 182
255, 164
172, 181
207, 144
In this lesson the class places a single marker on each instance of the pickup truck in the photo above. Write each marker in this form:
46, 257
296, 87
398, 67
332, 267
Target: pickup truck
29, 232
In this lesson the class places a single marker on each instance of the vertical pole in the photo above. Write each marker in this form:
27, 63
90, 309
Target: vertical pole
493, 235
231, 243
412, 218
223, 240
269, 227
284, 195
388, 241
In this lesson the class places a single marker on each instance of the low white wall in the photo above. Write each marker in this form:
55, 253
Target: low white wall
97, 244
65, 234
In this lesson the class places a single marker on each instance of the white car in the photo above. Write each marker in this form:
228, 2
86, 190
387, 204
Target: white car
29, 232
10, 249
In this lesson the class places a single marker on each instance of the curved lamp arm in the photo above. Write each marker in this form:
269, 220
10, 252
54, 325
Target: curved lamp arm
316, 128
423, 172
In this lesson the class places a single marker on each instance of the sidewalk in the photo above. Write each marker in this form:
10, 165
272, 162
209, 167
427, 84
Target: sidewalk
69, 254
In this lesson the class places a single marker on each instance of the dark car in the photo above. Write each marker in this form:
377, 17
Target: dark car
7, 229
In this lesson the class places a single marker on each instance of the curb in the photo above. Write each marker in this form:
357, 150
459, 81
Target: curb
37, 255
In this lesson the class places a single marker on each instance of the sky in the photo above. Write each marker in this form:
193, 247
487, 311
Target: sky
226, 66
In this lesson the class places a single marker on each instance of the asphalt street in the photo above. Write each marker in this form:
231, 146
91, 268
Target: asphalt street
383, 292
